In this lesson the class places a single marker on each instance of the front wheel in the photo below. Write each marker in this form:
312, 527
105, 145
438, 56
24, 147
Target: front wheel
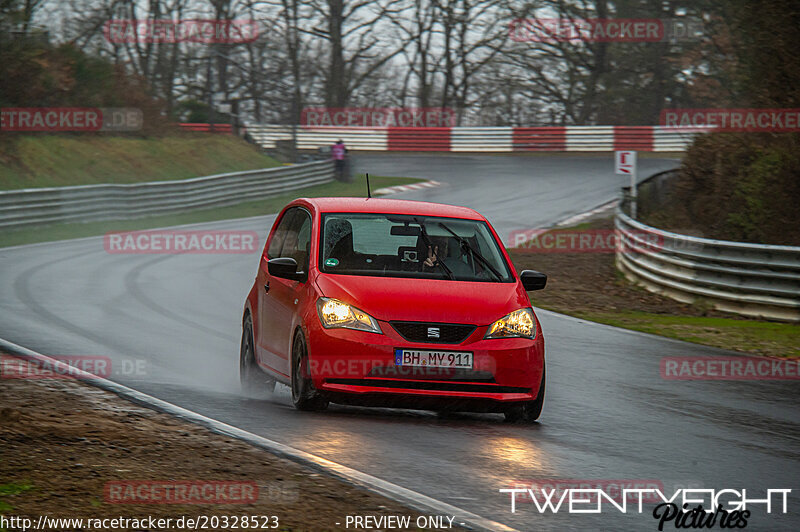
304, 395
529, 411
255, 383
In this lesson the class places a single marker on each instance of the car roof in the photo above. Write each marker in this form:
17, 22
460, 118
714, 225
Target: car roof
390, 206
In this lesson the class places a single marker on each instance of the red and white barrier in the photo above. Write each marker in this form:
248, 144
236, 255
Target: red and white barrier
482, 139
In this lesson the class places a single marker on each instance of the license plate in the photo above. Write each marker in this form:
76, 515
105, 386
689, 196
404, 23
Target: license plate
433, 359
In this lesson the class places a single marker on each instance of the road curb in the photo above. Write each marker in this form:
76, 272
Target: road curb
577, 218
414, 500
406, 188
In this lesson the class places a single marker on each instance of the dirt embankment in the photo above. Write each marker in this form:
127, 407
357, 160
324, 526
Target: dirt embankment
70, 450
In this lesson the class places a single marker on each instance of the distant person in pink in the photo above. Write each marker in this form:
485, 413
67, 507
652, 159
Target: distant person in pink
338, 152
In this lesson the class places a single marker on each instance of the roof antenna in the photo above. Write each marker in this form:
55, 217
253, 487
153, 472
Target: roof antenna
369, 194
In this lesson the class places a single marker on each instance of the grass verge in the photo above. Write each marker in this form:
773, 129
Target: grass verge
750, 336
9, 490
243, 210
33, 161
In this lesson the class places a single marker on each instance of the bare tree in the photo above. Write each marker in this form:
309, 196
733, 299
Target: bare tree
355, 51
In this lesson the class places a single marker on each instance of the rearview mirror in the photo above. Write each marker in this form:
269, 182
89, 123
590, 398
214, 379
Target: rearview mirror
405, 230
531, 280
285, 268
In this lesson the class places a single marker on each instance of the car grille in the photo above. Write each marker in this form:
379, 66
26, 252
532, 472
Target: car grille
417, 331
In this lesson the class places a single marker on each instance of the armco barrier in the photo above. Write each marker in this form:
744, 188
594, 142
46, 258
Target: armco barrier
481, 139
29, 207
749, 279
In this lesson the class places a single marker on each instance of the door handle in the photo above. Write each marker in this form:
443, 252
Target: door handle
266, 287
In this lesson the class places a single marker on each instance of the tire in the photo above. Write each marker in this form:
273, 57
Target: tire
529, 411
304, 395
255, 383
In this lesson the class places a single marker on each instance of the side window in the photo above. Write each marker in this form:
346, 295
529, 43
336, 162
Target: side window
298, 240
275, 245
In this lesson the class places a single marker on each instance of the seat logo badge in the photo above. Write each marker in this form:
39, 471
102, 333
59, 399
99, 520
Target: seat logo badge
433, 332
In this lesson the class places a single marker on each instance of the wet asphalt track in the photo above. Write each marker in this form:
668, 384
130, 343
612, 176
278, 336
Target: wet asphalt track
608, 414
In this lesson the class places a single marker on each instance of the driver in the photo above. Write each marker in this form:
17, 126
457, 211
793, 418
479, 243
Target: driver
437, 244
439, 251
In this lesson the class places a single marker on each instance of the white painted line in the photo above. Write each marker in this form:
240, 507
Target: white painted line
571, 220
406, 188
582, 216
413, 499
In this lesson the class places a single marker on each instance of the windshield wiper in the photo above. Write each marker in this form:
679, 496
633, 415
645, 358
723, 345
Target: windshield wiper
427, 240
481, 258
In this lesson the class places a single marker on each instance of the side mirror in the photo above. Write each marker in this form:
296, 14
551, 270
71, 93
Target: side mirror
531, 280
284, 267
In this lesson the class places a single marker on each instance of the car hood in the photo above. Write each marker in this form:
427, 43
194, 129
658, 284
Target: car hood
391, 298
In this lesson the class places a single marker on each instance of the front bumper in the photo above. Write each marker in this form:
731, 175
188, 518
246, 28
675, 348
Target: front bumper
359, 367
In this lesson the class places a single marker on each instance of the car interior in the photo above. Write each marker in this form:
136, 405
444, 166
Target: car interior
408, 259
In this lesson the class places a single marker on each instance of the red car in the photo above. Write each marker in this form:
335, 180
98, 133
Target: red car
393, 303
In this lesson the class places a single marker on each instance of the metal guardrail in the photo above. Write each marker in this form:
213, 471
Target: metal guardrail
748, 279
30, 207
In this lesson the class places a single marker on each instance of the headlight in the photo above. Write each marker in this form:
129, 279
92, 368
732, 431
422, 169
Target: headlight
518, 324
337, 315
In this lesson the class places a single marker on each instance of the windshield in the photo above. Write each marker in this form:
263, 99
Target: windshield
391, 245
